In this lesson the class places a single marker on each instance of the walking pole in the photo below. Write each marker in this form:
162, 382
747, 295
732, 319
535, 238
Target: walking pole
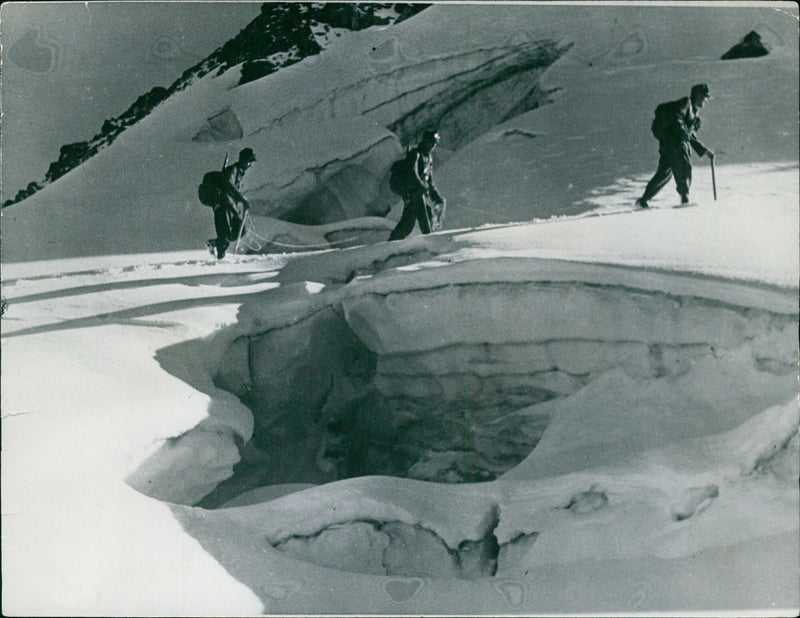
713, 179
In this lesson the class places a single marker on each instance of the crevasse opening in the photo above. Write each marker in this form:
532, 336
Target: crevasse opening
398, 374
458, 383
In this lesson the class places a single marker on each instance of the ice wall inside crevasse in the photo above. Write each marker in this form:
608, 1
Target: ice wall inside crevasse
453, 373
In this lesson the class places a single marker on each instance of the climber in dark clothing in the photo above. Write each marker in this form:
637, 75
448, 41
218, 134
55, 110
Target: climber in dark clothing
675, 126
422, 202
227, 220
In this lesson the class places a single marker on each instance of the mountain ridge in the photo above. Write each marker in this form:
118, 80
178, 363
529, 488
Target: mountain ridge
283, 34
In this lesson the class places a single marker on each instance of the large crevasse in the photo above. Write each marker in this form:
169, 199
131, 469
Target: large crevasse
457, 382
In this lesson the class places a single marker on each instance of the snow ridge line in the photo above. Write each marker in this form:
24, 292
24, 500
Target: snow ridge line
770, 299
390, 75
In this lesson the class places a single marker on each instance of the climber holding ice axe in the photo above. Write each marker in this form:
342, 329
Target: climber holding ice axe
675, 126
713, 177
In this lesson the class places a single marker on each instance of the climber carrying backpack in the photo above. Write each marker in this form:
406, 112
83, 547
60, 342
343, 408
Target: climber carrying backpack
412, 179
675, 126
221, 190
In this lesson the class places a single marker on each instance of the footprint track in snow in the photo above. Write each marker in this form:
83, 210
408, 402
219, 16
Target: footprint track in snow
693, 501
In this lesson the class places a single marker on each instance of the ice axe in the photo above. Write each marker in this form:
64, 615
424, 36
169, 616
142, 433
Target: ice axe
713, 179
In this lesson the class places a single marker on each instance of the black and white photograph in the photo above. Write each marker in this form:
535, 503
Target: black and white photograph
425, 309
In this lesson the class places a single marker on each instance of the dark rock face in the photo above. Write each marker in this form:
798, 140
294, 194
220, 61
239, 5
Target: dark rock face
291, 29
751, 46
70, 156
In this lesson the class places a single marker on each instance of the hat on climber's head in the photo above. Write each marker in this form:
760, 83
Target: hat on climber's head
431, 136
701, 90
247, 155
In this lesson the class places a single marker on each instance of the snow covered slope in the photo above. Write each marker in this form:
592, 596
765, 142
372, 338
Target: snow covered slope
589, 413
326, 129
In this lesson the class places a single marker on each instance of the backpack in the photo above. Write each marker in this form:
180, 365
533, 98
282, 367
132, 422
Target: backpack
660, 124
400, 174
208, 192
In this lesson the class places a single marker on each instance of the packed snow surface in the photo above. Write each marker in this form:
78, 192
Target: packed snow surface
560, 405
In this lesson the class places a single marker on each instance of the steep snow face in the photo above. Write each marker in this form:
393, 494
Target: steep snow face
452, 372
596, 133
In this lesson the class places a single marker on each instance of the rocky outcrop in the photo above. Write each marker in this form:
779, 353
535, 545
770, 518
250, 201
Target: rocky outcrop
286, 32
751, 46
